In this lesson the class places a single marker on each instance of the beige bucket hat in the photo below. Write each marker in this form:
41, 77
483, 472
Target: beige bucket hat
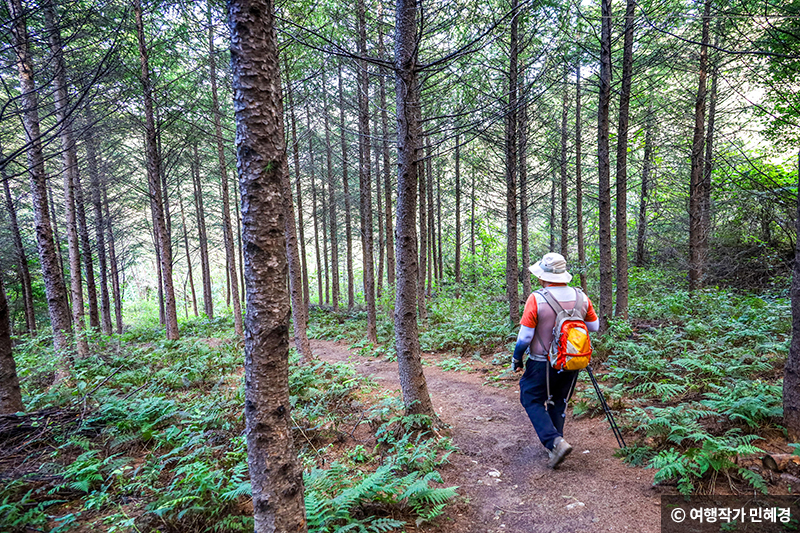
552, 268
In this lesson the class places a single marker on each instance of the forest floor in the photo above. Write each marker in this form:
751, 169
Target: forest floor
500, 467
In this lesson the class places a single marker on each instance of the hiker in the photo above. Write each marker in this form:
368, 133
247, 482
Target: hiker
535, 336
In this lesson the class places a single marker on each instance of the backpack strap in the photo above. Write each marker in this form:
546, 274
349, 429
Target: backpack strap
579, 296
551, 300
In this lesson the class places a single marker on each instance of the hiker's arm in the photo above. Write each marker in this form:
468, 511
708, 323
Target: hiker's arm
594, 325
524, 338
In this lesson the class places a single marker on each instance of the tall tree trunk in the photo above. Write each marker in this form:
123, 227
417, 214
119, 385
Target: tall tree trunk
512, 268
227, 228
472, 218
431, 228
423, 228
708, 167
99, 221
275, 471
116, 289
621, 309
409, 151
51, 271
458, 213
205, 264
57, 239
238, 202
387, 180
439, 222
564, 182
578, 180
647, 168
364, 177
300, 225
314, 209
791, 372
153, 175
331, 204
346, 184
523, 198
379, 209
188, 254
86, 250
22, 257
10, 394
552, 214
604, 168
69, 169
162, 316
324, 224
696, 260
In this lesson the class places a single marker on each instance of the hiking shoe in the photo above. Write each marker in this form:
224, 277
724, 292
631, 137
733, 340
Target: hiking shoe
561, 449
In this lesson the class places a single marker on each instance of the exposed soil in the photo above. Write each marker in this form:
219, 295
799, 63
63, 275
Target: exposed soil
591, 491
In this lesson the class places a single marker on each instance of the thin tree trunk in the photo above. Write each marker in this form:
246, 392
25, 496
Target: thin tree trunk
52, 274
647, 168
604, 168
384, 73
205, 265
512, 268
300, 225
275, 471
10, 394
86, 249
112, 259
331, 204
99, 222
325, 256
153, 174
578, 182
431, 232
423, 229
365, 178
458, 213
552, 214
227, 228
57, 239
708, 167
378, 210
22, 257
696, 263
69, 169
563, 164
314, 209
439, 223
237, 202
346, 184
412, 380
791, 371
162, 317
188, 255
472, 218
523, 198
622, 163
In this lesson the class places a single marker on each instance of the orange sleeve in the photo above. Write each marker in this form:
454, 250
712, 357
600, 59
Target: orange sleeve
591, 316
529, 315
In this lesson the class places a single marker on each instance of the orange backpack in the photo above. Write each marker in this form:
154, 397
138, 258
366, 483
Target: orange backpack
571, 348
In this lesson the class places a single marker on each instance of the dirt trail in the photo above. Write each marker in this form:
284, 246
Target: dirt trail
592, 491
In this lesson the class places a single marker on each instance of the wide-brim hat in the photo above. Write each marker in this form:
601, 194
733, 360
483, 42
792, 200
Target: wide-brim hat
552, 268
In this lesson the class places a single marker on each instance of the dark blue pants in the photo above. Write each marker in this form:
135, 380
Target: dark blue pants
549, 422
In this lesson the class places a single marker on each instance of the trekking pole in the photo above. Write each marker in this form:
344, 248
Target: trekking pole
606, 410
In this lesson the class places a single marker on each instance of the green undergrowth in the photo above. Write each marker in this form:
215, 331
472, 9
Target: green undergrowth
148, 435
697, 380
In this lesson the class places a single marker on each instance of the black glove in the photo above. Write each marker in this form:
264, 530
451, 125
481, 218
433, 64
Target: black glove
516, 364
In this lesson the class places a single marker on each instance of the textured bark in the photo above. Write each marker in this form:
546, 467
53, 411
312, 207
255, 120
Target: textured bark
423, 229
227, 228
69, 170
552, 223
86, 254
431, 235
202, 235
512, 267
708, 166
564, 179
791, 371
458, 211
57, 239
10, 394
647, 169
116, 289
51, 271
324, 224
578, 179
387, 180
523, 199
331, 204
378, 209
314, 209
365, 178
696, 260
604, 168
153, 175
99, 221
348, 232
275, 471
21, 256
621, 309
439, 253
472, 217
300, 225
412, 380
188, 254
